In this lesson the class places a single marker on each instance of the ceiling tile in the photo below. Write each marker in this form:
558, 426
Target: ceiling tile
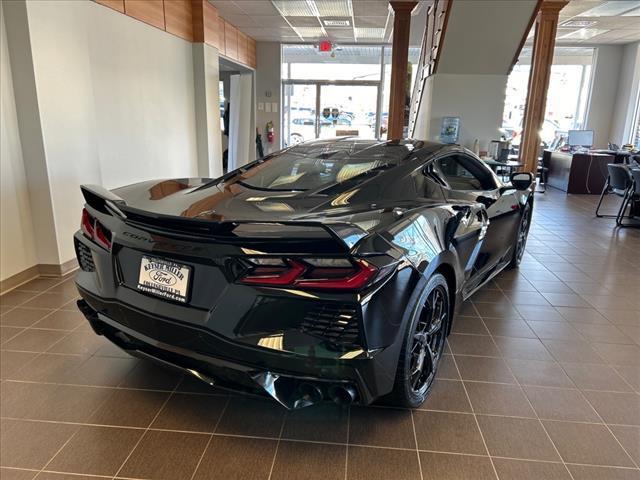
226, 7
272, 21
304, 21
333, 8
340, 34
379, 9
257, 7
612, 8
379, 22
298, 8
240, 20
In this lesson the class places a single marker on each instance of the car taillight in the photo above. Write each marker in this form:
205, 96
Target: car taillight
317, 273
94, 230
87, 223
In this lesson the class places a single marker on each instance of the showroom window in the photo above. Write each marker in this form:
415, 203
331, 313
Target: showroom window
343, 92
635, 130
567, 96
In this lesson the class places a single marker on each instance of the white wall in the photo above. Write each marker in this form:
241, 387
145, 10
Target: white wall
206, 75
477, 99
604, 89
268, 82
627, 93
483, 36
17, 247
115, 99
143, 82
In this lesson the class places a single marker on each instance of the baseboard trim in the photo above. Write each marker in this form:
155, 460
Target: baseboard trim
53, 270
40, 270
19, 278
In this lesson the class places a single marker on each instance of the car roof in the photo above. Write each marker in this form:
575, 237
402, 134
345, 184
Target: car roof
353, 147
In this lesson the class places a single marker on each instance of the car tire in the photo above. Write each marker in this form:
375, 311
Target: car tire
521, 236
422, 351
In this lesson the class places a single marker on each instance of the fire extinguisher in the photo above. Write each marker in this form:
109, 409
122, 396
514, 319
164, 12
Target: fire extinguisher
270, 133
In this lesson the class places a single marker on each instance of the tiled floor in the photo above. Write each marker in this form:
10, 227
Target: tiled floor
541, 381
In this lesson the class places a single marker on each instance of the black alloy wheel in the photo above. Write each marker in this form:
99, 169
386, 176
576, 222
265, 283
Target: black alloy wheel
428, 340
521, 236
423, 345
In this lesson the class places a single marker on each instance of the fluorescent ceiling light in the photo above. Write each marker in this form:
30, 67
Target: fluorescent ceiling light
372, 33
295, 8
336, 23
309, 32
584, 34
578, 23
612, 8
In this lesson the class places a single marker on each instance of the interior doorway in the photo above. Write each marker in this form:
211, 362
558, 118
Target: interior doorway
237, 114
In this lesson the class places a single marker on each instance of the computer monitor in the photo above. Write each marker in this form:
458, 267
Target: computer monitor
580, 138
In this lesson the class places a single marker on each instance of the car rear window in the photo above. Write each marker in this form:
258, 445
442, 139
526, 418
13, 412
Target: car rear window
290, 171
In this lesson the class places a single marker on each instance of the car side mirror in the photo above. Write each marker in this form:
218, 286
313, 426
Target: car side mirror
521, 180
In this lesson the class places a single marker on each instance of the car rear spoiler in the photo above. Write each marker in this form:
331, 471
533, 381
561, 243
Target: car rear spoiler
105, 201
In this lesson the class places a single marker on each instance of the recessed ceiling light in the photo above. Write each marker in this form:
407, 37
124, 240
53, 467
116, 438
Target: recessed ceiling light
584, 34
612, 8
578, 23
336, 23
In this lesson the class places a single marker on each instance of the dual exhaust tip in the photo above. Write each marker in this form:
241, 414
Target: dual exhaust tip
339, 394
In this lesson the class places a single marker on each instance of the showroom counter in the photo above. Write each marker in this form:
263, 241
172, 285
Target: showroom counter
578, 172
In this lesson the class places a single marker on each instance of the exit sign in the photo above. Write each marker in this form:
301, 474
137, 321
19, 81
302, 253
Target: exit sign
325, 46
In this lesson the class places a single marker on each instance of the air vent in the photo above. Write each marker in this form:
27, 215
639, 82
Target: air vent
336, 23
85, 258
338, 324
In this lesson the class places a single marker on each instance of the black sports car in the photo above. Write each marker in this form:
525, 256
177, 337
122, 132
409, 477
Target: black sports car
330, 270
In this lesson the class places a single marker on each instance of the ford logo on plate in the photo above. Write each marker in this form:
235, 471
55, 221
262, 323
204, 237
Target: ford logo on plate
162, 277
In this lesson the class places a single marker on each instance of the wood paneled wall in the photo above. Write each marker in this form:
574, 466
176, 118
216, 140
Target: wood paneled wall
192, 20
115, 4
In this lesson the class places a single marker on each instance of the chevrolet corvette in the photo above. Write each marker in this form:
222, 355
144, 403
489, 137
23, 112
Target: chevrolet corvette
331, 270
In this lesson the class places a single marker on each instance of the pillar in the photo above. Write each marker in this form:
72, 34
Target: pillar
543, 46
399, 58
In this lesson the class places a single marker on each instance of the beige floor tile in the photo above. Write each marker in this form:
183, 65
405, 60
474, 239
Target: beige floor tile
527, 470
517, 438
498, 399
560, 404
447, 395
448, 432
584, 472
382, 464
312, 461
381, 427
96, 450
484, 369
587, 444
440, 466
617, 408
236, 458
535, 372
165, 455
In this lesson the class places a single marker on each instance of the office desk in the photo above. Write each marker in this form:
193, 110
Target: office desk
578, 172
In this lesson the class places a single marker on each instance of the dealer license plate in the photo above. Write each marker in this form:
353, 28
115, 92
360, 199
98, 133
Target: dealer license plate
164, 278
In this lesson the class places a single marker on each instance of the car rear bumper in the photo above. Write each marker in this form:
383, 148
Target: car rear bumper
293, 380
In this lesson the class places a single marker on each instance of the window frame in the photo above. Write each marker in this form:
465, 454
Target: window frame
441, 178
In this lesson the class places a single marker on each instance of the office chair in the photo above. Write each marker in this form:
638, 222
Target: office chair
631, 200
542, 172
620, 182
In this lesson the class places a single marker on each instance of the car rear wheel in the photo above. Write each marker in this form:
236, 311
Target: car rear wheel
521, 236
423, 345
